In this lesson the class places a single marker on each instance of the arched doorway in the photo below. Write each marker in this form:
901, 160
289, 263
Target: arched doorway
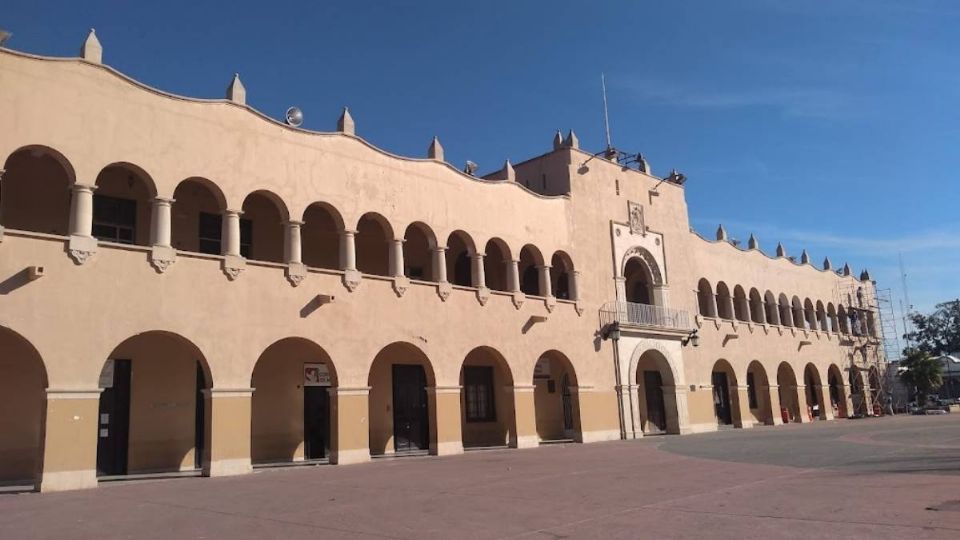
460, 250
561, 276
529, 267
262, 227
726, 400
401, 419
789, 398
23, 380
197, 217
638, 282
758, 394
706, 302
816, 409
320, 236
291, 410
876, 391
657, 409
555, 400
857, 392
486, 401
418, 247
724, 301
374, 234
838, 394
497, 256
123, 205
152, 408
35, 191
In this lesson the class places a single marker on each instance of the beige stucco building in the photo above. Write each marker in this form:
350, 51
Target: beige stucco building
187, 285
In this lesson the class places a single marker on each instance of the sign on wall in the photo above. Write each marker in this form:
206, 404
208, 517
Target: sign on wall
106, 376
542, 369
316, 375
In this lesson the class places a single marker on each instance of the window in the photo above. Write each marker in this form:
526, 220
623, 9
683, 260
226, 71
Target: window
246, 238
751, 391
211, 227
114, 219
478, 392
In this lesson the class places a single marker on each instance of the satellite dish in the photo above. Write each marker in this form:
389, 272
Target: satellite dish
294, 117
470, 168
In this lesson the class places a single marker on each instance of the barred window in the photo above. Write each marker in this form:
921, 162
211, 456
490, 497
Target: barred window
478, 393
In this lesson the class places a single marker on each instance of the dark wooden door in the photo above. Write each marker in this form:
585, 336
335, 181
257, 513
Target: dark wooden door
721, 398
316, 422
199, 416
113, 427
567, 407
411, 421
656, 411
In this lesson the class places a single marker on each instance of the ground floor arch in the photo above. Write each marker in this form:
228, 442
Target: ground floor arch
402, 419
556, 398
656, 405
726, 398
789, 397
292, 401
153, 412
858, 394
838, 392
23, 380
488, 412
758, 394
816, 408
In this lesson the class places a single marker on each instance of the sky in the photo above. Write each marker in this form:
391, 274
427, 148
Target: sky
826, 125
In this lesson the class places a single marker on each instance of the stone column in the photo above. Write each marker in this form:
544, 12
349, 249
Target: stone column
574, 285
396, 257
162, 254
620, 283
826, 407
513, 275
526, 417
677, 410
82, 243
227, 452
543, 273
70, 439
350, 425
231, 233
440, 264
629, 399
743, 400
479, 278
292, 246
444, 403
775, 405
800, 394
847, 401
348, 260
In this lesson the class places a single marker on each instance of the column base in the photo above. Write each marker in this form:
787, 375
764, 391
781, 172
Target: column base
230, 467
68, 480
450, 448
527, 441
349, 457
599, 436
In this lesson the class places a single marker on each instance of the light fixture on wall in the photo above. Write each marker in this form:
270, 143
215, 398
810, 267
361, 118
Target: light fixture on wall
693, 339
611, 331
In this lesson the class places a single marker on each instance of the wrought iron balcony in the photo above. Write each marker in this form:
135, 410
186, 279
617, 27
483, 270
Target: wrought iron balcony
645, 315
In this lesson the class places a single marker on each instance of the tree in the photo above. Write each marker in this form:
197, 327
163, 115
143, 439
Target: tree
922, 372
939, 332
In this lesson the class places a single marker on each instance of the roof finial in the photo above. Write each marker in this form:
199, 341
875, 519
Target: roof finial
435, 151
572, 141
92, 51
781, 251
865, 275
753, 243
846, 269
236, 91
804, 258
827, 265
507, 173
557, 140
345, 124
721, 233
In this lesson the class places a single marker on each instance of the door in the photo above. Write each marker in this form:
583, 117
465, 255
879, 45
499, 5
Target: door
114, 421
410, 415
199, 427
721, 399
316, 422
656, 411
567, 407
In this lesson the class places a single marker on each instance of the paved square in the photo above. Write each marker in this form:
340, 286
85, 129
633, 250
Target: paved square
875, 478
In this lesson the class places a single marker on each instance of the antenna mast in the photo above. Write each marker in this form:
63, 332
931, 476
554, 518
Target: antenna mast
606, 117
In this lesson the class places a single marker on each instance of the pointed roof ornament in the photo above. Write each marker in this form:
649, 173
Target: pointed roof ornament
846, 269
92, 51
753, 243
557, 140
436, 150
781, 251
508, 173
572, 141
236, 91
804, 258
345, 123
865, 275
826, 264
721, 233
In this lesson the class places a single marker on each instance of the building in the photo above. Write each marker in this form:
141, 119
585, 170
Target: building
189, 285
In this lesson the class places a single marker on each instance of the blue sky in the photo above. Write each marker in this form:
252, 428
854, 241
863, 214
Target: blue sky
827, 125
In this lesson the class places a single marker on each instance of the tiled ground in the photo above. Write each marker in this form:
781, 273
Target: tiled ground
876, 478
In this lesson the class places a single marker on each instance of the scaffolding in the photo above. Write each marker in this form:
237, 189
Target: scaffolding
870, 341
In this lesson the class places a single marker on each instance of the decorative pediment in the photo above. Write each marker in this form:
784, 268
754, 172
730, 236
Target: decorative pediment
635, 218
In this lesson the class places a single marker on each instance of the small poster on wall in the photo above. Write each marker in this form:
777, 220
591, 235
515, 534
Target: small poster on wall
542, 369
106, 376
316, 375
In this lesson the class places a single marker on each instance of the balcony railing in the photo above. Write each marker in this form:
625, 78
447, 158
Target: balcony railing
630, 313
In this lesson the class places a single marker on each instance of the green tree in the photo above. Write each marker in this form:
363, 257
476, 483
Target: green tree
939, 332
921, 372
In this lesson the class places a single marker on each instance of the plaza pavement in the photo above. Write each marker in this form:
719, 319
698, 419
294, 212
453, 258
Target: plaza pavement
872, 478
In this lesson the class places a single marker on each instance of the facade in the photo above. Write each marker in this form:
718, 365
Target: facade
190, 286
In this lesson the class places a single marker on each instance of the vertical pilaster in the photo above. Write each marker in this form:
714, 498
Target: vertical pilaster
350, 427
677, 409
775, 405
826, 408
446, 435
746, 419
800, 397
620, 283
227, 452
526, 417
70, 440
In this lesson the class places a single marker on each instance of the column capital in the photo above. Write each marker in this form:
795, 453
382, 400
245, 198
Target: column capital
73, 393
444, 389
227, 392
167, 201
478, 256
79, 186
232, 212
350, 391
295, 223
543, 267
439, 249
348, 232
